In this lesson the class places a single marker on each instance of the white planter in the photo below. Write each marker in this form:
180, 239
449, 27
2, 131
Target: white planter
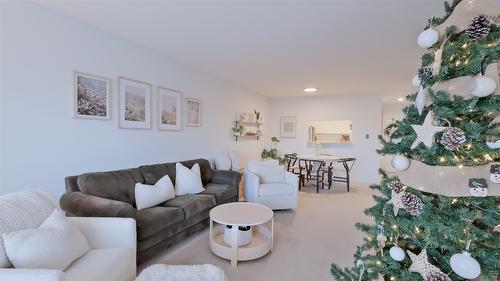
244, 237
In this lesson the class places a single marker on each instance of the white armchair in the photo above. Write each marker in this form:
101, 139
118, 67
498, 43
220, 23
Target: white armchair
270, 185
112, 241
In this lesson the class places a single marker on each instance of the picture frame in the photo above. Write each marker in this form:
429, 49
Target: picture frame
288, 127
134, 103
91, 96
193, 109
169, 109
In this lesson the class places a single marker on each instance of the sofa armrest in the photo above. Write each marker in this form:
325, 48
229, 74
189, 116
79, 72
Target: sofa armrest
251, 184
108, 232
226, 177
26, 274
293, 180
84, 205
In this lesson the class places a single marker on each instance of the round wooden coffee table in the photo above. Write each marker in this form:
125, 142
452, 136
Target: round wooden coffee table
241, 214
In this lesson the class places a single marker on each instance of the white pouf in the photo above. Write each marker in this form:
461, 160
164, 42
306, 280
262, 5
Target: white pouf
197, 272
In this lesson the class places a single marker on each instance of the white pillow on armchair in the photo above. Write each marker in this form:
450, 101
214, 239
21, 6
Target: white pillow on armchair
267, 173
54, 245
222, 161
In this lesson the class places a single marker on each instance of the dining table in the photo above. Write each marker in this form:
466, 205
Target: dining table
347, 163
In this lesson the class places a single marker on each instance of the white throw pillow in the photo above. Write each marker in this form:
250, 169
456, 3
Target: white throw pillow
187, 181
147, 196
222, 162
266, 172
22, 210
54, 245
235, 161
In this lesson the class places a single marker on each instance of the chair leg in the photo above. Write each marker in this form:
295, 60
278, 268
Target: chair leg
317, 184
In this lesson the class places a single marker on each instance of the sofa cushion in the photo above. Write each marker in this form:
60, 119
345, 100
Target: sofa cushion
275, 189
191, 204
222, 192
115, 185
152, 173
155, 219
110, 264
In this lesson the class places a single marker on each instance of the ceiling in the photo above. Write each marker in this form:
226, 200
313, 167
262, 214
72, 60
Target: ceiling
276, 48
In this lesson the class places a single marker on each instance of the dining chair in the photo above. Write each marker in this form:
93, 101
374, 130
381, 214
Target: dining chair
292, 165
347, 164
314, 169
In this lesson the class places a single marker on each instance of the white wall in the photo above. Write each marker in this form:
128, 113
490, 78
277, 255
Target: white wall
392, 112
42, 143
364, 110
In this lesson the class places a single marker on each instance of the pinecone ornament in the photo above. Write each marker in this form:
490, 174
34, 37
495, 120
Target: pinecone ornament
424, 73
412, 204
452, 138
437, 276
396, 186
479, 27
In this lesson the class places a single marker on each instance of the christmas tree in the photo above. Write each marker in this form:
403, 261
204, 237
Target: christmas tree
437, 216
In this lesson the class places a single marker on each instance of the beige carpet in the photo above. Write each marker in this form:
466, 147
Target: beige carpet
307, 240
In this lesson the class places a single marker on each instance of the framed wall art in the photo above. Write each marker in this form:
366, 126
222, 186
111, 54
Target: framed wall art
92, 96
193, 112
134, 104
288, 127
169, 109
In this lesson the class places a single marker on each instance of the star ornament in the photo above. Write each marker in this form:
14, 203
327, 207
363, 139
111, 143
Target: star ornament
426, 131
421, 265
396, 201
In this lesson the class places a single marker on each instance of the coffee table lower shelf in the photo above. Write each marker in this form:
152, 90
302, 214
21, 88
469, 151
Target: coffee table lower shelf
260, 245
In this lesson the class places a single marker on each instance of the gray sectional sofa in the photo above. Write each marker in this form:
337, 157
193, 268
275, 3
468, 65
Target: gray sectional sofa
111, 194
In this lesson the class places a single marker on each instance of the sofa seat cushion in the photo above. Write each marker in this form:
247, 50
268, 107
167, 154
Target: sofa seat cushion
191, 204
155, 219
275, 189
106, 264
222, 192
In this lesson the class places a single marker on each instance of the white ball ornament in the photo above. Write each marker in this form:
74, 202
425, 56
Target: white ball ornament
397, 253
427, 38
400, 162
483, 86
415, 81
465, 266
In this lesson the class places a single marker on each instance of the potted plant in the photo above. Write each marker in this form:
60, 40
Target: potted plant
238, 128
272, 153
257, 115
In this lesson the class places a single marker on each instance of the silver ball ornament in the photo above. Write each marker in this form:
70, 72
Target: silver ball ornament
400, 162
465, 266
483, 86
415, 81
397, 253
427, 38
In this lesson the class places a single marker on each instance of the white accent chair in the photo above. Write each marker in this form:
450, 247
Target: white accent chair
112, 241
267, 183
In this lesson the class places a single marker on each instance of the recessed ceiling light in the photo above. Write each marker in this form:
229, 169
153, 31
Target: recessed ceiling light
401, 99
310, 90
